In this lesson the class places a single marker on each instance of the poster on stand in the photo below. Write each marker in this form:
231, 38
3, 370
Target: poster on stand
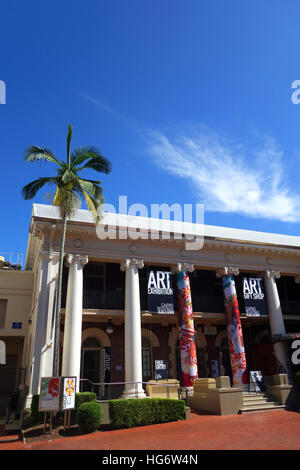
68, 392
49, 395
161, 369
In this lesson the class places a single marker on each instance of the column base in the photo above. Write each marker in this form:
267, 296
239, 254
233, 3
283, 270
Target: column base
134, 393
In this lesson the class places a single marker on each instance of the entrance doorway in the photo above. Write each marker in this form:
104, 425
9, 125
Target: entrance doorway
225, 358
146, 360
93, 366
201, 363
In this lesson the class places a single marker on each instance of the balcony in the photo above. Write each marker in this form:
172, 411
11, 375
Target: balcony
116, 301
208, 304
290, 307
100, 300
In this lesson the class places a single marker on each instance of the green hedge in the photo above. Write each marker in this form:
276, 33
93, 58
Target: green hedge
80, 398
141, 412
297, 379
36, 416
89, 416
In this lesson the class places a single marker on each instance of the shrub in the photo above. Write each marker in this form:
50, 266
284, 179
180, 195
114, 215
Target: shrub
297, 379
80, 398
36, 416
141, 412
89, 416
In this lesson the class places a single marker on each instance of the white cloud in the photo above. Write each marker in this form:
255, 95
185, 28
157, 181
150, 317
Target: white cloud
228, 177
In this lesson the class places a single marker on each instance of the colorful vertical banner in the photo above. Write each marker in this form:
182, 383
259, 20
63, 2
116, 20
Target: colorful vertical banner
234, 332
187, 345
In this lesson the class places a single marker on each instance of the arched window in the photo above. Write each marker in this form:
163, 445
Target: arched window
91, 343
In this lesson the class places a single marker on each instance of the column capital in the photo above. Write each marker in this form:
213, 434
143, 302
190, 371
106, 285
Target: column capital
227, 270
182, 267
272, 274
131, 263
82, 259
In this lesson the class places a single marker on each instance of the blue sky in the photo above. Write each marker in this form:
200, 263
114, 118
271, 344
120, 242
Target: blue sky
190, 100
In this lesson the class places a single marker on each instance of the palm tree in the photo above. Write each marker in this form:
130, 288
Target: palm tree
69, 188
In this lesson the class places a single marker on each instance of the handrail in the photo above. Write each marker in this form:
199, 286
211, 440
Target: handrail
97, 384
179, 388
279, 365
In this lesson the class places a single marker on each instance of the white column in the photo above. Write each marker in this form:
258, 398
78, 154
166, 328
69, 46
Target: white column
275, 316
73, 318
133, 342
46, 368
39, 326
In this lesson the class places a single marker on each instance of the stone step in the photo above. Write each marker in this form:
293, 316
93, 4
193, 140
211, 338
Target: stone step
256, 397
266, 407
260, 404
248, 395
257, 400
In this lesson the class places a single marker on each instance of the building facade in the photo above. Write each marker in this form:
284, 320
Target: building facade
15, 306
109, 336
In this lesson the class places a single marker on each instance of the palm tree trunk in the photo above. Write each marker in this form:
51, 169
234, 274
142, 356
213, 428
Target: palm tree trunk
58, 298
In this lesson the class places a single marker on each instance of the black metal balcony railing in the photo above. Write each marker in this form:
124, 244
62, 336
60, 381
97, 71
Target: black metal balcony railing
209, 304
103, 300
290, 307
201, 303
116, 301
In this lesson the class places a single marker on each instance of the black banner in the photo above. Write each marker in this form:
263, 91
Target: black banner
254, 297
107, 366
160, 292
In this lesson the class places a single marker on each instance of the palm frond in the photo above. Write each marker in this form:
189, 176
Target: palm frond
92, 187
97, 163
81, 154
69, 137
34, 153
30, 190
93, 205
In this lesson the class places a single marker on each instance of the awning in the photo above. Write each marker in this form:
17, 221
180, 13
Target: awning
286, 337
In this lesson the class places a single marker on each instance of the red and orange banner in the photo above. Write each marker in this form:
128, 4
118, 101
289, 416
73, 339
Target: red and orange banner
188, 352
234, 332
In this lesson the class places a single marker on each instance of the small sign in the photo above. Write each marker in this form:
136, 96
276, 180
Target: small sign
2, 352
210, 330
49, 395
68, 393
257, 381
17, 325
161, 369
160, 292
214, 368
254, 297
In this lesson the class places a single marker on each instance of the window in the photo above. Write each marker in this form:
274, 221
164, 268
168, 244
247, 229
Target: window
3, 308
